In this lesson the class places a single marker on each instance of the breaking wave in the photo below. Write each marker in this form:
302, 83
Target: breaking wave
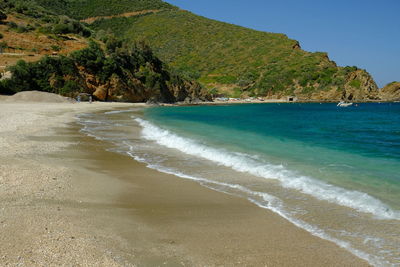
359, 201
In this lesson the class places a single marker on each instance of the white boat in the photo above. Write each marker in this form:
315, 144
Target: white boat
344, 104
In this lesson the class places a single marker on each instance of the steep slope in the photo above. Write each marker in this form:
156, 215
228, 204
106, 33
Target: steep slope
241, 61
47, 52
29, 32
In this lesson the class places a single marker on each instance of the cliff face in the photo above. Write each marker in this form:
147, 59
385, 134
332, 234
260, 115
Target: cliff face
117, 89
390, 92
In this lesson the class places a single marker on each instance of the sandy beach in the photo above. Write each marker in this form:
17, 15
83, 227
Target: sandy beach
67, 201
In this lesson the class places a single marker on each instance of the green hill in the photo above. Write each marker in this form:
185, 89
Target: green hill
239, 61
63, 59
225, 58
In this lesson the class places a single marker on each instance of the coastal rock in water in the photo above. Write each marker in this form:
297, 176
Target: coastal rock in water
390, 92
360, 86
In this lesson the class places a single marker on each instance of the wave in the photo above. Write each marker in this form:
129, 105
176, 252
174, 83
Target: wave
120, 111
91, 127
262, 200
95, 126
359, 201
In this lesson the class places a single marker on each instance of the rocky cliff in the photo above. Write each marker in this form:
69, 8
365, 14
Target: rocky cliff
115, 73
118, 89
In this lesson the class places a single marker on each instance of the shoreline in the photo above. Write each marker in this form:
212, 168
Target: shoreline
270, 101
105, 208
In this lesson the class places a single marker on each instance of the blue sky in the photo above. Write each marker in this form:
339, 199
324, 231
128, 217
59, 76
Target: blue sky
363, 33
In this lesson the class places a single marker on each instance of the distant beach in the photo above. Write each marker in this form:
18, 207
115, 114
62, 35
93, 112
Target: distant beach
68, 200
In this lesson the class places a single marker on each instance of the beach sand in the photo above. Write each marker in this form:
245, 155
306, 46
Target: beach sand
66, 201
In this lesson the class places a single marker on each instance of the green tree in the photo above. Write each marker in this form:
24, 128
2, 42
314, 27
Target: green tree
112, 43
92, 58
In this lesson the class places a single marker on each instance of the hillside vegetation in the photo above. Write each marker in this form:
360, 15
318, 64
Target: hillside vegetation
31, 29
82, 9
118, 74
42, 18
225, 58
53, 53
239, 61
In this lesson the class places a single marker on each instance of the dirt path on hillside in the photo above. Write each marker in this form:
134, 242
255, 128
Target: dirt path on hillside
126, 15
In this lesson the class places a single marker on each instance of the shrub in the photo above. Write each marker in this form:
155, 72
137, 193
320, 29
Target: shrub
29, 27
69, 88
92, 57
20, 7
112, 44
355, 83
71, 27
5, 88
61, 29
55, 48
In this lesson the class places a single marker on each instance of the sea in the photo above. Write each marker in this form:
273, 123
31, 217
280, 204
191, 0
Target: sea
332, 171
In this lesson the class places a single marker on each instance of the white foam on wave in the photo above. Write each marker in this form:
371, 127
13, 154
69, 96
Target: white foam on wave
263, 200
359, 201
260, 199
118, 111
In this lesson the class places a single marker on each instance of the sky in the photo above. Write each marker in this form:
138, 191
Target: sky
362, 33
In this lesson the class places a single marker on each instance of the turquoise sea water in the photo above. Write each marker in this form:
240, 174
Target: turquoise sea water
357, 147
332, 171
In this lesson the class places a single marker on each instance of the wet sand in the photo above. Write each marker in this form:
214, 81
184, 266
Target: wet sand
86, 206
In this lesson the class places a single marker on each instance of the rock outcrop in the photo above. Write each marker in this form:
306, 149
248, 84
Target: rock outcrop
390, 92
360, 86
125, 74
117, 89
